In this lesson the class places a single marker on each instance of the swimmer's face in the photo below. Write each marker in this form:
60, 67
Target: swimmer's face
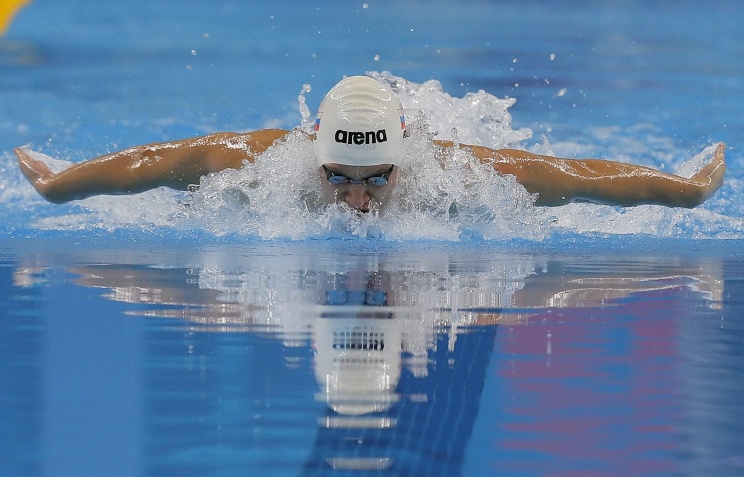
361, 191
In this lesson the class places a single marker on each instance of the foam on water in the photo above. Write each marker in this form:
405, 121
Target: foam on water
438, 197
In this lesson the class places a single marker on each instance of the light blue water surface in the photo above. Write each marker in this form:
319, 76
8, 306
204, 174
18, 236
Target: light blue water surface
610, 343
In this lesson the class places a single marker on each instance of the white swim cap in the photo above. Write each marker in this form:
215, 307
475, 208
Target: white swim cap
360, 122
357, 360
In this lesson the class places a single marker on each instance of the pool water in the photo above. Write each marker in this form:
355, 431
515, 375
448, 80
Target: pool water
468, 359
199, 334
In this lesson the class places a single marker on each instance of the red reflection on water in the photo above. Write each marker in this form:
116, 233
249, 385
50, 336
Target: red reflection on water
593, 390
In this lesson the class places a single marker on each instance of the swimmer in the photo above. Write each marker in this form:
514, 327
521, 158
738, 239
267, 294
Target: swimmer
357, 143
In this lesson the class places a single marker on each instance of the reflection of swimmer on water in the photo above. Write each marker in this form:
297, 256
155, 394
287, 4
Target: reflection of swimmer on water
358, 362
358, 139
397, 356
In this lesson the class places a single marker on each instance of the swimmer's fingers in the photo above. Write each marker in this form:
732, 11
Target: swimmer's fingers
710, 177
719, 156
712, 173
37, 173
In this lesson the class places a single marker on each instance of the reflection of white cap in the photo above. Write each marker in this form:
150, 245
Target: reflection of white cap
360, 122
357, 363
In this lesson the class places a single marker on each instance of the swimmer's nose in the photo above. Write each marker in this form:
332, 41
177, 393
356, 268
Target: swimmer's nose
357, 197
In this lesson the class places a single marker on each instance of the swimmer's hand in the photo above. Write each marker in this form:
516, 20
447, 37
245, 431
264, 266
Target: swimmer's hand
710, 177
37, 173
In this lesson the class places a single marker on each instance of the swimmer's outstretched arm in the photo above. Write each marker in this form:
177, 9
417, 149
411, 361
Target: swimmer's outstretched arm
173, 164
559, 181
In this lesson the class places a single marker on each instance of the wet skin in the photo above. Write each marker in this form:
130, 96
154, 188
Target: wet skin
553, 180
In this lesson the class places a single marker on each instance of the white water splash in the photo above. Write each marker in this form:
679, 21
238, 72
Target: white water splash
479, 118
437, 198
279, 195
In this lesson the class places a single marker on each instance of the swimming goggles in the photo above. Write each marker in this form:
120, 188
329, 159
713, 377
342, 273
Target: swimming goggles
334, 178
356, 297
